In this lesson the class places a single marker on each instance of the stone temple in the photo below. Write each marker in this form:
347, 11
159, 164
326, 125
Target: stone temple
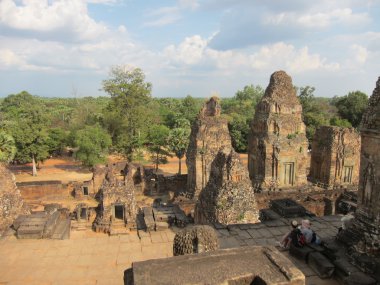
335, 158
367, 216
277, 145
208, 134
228, 197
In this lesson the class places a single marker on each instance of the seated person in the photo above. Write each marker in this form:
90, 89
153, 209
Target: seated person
287, 239
309, 234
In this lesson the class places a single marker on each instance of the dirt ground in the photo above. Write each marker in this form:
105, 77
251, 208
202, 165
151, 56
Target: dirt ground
67, 169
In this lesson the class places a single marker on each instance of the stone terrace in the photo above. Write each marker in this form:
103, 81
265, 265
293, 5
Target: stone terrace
93, 258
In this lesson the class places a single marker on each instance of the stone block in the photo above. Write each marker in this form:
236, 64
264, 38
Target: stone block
300, 252
248, 265
359, 278
321, 265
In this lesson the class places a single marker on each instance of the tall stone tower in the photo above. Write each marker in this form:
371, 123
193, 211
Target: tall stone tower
367, 216
208, 134
335, 157
277, 145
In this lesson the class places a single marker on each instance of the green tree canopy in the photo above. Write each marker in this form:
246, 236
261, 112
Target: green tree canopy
131, 103
157, 143
178, 140
352, 106
93, 143
27, 122
7, 147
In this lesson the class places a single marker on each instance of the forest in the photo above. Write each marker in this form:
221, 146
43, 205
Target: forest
132, 123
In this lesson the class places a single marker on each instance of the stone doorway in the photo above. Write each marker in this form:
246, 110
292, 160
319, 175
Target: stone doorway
347, 174
83, 214
85, 190
289, 173
119, 212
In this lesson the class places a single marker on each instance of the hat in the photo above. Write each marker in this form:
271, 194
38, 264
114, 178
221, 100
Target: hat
294, 223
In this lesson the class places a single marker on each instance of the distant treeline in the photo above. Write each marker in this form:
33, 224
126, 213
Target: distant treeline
131, 122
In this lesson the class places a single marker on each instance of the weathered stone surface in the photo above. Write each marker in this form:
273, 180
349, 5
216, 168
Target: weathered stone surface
196, 239
366, 224
11, 203
321, 265
117, 198
238, 266
208, 134
277, 145
335, 157
228, 197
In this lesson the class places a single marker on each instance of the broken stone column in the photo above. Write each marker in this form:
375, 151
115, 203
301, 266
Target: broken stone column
335, 157
277, 145
208, 134
228, 197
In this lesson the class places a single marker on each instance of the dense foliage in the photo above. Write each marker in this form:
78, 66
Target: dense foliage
132, 123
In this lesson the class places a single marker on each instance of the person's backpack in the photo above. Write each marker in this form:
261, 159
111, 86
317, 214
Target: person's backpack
298, 239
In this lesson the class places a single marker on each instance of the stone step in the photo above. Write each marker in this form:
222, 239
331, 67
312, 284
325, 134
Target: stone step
62, 231
321, 265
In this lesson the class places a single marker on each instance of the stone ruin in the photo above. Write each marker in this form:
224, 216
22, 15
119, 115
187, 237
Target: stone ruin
196, 239
228, 197
116, 213
277, 145
208, 134
11, 203
364, 235
253, 265
335, 157
52, 223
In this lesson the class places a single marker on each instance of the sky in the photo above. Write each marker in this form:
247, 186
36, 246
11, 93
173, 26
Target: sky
65, 48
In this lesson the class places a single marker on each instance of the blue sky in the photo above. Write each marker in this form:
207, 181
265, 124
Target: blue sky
66, 48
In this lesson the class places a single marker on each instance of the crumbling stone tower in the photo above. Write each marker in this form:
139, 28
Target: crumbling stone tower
228, 197
367, 215
335, 157
277, 146
208, 134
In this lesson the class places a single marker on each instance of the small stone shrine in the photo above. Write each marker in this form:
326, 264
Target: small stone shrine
117, 209
335, 157
208, 134
228, 197
277, 145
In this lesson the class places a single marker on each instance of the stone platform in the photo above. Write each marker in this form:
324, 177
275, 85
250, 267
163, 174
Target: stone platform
96, 258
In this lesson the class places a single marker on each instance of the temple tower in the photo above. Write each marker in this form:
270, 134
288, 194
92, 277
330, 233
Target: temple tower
277, 146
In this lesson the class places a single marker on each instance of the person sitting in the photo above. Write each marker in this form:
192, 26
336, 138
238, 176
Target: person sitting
287, 239
309, 234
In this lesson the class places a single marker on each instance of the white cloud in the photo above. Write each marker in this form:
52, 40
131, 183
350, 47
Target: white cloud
192, 4
67, 17
190, 51
360, 53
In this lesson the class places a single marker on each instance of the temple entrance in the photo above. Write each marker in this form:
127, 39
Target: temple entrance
288, 173
347, 174
119, 212
85, 190
83, 213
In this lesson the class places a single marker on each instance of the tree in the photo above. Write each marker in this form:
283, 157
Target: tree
352, 106
7, 147
335, 121
178, 140
93, 143
157, 141
130, 100
27, 123
57, 140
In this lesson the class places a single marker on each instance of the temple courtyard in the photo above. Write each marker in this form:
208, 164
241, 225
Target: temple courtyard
95, 258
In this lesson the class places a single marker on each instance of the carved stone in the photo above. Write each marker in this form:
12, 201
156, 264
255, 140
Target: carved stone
335, 157
277, 145
208, 134
196, 239
228, 197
